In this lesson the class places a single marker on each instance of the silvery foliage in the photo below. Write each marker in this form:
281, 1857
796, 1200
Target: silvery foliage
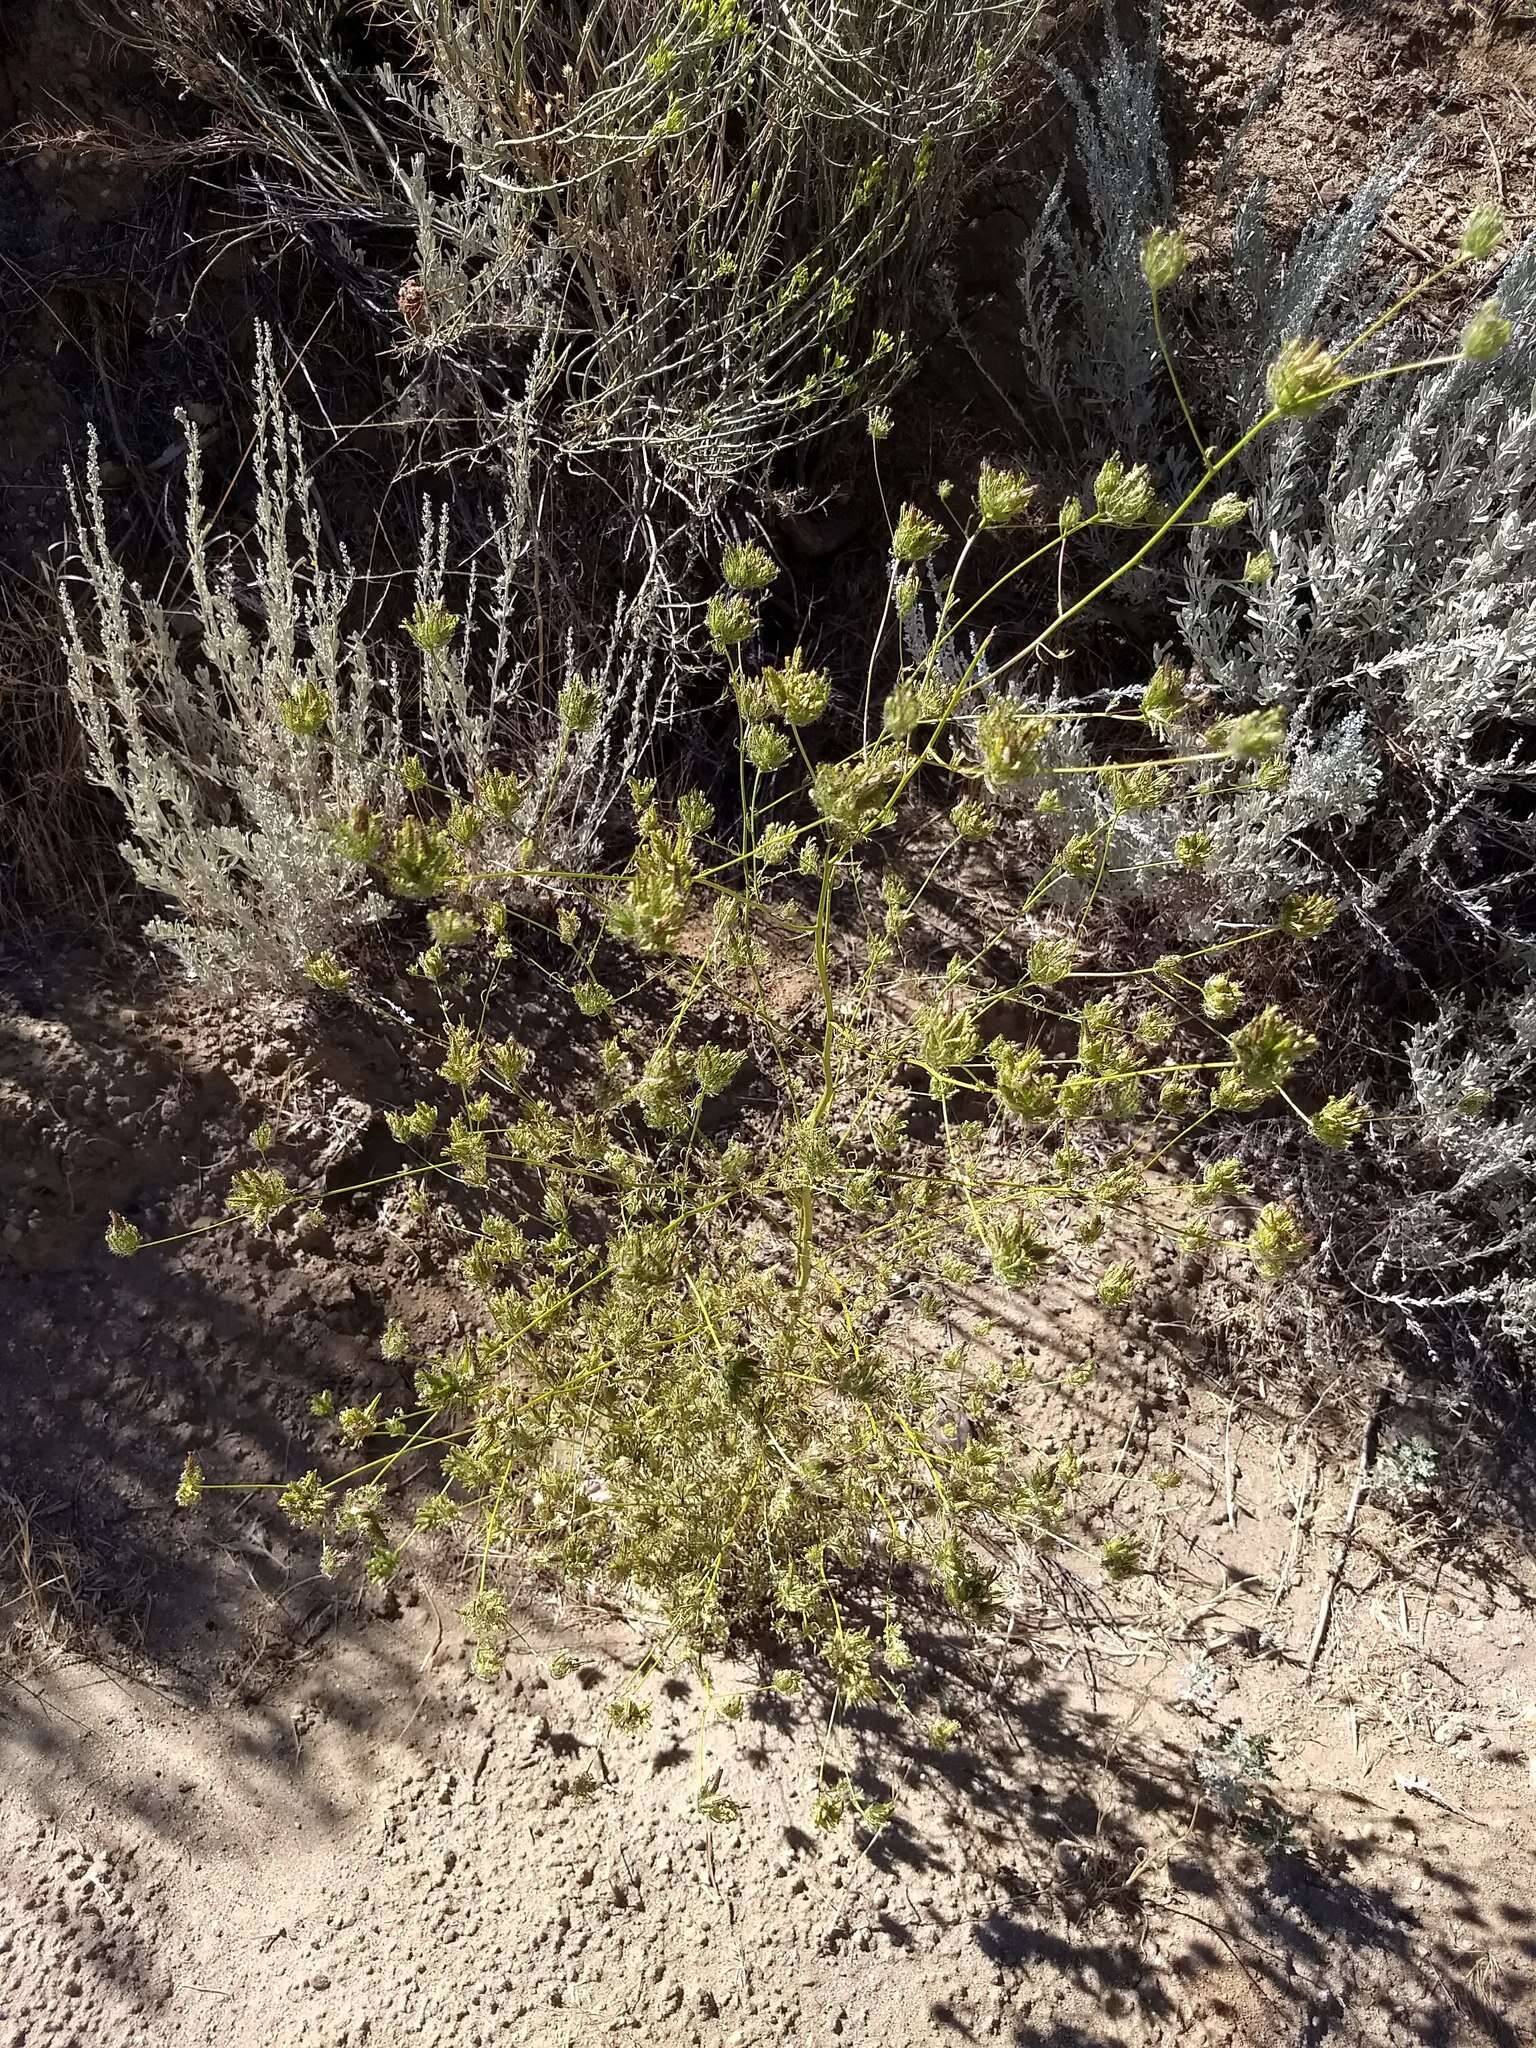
1398, 631
187, 709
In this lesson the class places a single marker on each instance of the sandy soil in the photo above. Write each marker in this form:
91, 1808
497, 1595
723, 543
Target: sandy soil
245, 1805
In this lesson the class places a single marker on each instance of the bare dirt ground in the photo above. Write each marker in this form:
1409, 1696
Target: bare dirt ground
240, 1805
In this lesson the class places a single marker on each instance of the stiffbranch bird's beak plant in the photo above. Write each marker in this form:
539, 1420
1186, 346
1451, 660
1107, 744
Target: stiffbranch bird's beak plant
709, 1239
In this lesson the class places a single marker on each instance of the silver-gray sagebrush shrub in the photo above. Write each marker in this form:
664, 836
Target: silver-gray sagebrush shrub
1385, 610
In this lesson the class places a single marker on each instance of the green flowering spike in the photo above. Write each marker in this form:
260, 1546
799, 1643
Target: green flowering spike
1229, 510
463, 1051
1222, 1181
123, 1238
1339, 1122
916, 536
431, 627
463, 825
1122, 1558
1259, 570
395, 1343
730, 618
1125, 497
747, 567
1003, 496
413, 777
766, 748
1050, 960
912, 702
501, 793
508, 1059
797, 693
419, 1122
851, 796
1276, 1244
1017, 1247
946, 1037
715, 1067
631, 1716
1301, 379
577, 706
259, 1194
1267, 1051
1482, 232
189, 1488
1009, 743
592, 999
359, 836
306, 710
776, 844
1154, 1026
420, 862
452, 928
1251, 736
1164, 258
1141, 788
1070, 517
1165, 698
1080, 856
1116, 1284
665, 1088
1221, 997
306, 1502
1487, 334
1177, 1096
1308, 916
971, 820
1193, 850
878, 420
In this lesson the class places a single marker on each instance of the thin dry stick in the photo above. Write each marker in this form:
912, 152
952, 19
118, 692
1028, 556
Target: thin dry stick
1331, 1586
1288, 1569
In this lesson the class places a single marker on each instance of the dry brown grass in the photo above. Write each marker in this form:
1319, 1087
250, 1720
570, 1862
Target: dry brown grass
45, 1612
56, 856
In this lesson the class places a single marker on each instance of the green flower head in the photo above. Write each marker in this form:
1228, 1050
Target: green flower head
1487, 334
731, 618
1125, 497
1276, 1243
1003, 496
748, 567
1164, 258
1308, 916
1301, 379
1482, 232
1251, 736
431, 627
1340, 1120
798, 693
1009, 741
916, 536
123, 1237
1229, 510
